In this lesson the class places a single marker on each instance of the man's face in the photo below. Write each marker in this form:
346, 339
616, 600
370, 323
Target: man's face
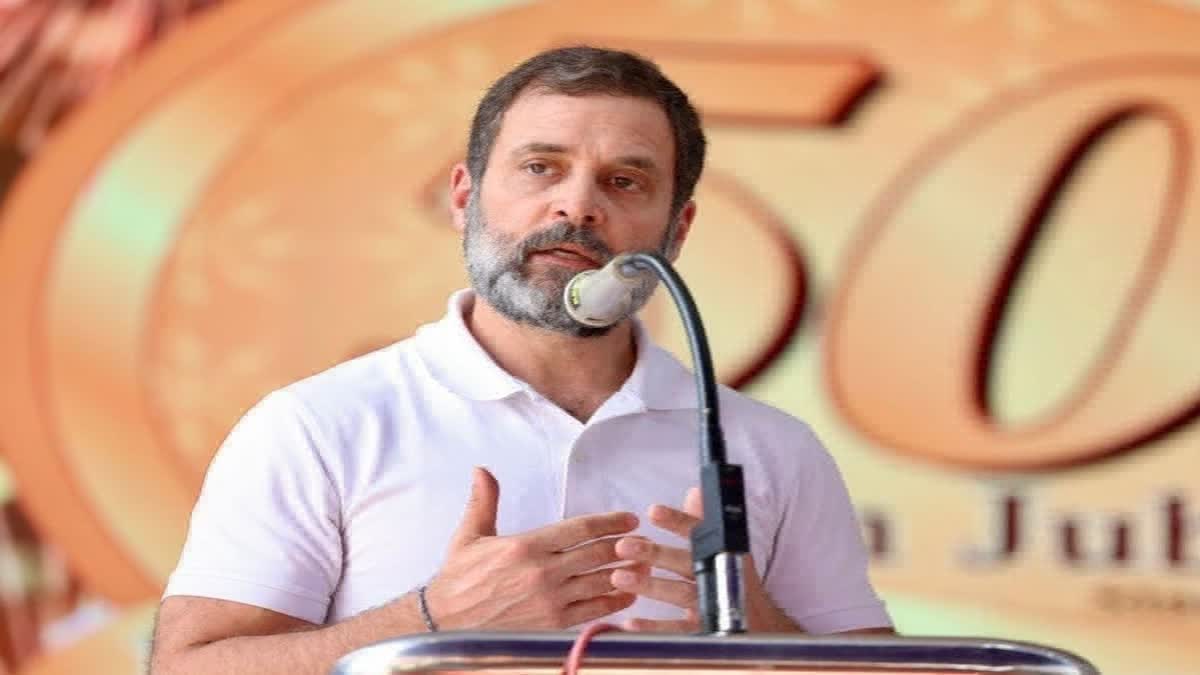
571, 181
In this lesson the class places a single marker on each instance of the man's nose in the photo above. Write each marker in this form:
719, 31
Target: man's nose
579, 201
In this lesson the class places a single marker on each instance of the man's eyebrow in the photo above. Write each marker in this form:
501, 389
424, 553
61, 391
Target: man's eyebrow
538, 147
638, 162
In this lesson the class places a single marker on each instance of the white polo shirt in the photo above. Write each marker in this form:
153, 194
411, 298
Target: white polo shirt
340, 492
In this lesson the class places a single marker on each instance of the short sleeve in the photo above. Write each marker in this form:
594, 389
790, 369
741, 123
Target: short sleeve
265, 530
818, 572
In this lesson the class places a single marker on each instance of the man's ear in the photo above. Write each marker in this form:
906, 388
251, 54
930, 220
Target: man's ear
683, 225
460, 194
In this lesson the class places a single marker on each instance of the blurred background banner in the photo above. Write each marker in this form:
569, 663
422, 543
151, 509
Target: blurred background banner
960, 237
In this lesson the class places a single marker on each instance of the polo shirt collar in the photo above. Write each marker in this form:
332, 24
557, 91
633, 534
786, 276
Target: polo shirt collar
658, 380
457, 361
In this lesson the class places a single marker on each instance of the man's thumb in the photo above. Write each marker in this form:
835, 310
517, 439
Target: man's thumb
479, 517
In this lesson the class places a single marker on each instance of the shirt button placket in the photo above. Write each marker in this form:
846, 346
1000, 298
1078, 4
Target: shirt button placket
561, 432
579, 488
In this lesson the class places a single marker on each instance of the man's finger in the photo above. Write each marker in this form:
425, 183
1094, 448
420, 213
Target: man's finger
673, 520
693, 504
595, 608
587, 556
479, 516
671, 591
661, 626
642, 550
585, 586
571, 532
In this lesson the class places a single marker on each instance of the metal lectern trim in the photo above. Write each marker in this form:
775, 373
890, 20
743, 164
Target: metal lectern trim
876, 654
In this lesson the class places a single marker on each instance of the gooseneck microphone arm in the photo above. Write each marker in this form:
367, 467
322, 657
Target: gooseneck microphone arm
721, 540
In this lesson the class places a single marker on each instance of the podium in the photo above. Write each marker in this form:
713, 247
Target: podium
645, 654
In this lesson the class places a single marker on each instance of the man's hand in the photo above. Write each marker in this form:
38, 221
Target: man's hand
544, 579
762, 615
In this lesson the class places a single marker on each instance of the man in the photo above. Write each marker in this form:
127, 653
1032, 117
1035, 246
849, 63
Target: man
333, 516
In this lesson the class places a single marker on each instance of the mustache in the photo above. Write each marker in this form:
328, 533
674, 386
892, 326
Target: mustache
565, 233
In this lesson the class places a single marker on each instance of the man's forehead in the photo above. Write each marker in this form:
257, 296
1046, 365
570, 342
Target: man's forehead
552, 122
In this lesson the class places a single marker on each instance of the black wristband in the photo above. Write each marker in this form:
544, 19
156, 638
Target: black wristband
424, 607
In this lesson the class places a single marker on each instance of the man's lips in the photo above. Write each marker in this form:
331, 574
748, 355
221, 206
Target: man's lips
569, 256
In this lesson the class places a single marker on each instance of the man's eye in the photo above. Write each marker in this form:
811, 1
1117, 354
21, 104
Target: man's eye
537, 168
624, 182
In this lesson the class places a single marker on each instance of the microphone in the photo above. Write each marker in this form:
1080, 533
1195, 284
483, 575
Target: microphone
720, 541
722, 538
602, 297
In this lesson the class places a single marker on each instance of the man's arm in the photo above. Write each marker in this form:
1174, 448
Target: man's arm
203, 635
549, 578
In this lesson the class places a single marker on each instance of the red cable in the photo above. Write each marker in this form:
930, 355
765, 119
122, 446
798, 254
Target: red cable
575, 657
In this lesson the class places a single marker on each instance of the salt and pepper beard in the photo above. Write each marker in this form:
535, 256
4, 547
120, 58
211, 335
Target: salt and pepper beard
496, 265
